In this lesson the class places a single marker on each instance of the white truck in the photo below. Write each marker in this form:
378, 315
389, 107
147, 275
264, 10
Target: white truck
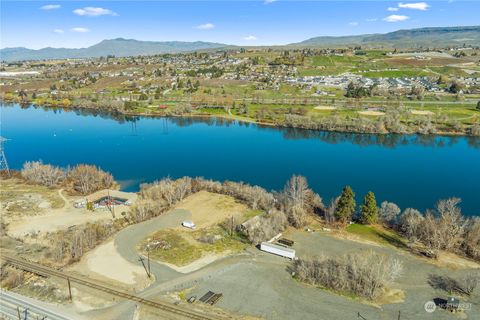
189, 224
278, 250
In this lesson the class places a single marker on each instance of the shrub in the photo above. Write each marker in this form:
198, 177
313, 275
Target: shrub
365, 274
43, 174
266, 227
10, 277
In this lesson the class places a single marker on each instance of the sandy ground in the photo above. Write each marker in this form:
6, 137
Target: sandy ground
106, 262
55, 220
324, 108
422, 112
209, 209
371, 113
448, 259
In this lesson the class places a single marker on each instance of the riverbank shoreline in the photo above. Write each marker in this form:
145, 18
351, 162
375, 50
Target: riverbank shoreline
248, 120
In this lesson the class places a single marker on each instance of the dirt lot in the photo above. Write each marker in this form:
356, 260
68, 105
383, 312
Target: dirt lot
30, 209
18, 198
98, 264
209, 209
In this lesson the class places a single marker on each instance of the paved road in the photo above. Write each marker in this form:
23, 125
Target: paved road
127, 239
9, 302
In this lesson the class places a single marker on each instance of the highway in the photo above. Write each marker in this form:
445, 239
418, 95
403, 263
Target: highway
9, 302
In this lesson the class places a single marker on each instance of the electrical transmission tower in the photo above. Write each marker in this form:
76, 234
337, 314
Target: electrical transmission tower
3, 158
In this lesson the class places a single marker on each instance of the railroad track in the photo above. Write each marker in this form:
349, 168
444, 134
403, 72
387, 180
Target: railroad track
49, 272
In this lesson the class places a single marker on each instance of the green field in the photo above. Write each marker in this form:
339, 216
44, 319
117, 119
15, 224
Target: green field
377, 234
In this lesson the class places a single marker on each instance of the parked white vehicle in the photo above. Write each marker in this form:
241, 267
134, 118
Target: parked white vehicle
189, 224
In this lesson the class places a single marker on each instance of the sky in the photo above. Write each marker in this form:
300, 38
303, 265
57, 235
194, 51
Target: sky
76, 24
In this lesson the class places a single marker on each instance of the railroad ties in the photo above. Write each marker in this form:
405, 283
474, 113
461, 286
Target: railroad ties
48, 272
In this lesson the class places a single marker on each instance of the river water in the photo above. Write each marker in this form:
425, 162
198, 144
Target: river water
410, 170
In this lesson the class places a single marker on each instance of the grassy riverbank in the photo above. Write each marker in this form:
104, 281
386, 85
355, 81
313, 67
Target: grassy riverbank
380, 117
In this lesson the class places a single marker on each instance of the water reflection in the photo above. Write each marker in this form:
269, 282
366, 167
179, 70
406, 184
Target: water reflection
331, 137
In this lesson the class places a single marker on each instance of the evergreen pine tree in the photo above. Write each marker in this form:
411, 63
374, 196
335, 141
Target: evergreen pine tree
346, 205
369, 209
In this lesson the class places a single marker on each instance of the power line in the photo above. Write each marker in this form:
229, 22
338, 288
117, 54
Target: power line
3, 158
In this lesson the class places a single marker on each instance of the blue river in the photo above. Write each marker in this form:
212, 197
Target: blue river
410, 170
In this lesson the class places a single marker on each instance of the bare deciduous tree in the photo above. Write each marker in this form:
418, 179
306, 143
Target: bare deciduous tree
299, 200
409, 223
388, 213
87, 179
471, 241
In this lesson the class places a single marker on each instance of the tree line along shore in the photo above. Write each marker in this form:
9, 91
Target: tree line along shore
348, 115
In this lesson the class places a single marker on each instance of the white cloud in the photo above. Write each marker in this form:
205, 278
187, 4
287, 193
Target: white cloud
269, 1
50, 7
94, 12
395, 18
392, 9
250, 38
353, 23
371, 19
58, 31
205, 26
80, 29
415, 6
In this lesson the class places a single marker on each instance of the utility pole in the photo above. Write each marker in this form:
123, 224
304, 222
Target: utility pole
148, 257
69, 289
110, 204
144, 266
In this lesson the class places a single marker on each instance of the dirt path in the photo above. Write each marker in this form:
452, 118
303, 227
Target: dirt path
65, 200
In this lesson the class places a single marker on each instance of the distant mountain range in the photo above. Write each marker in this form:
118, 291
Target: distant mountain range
413, 38
118, 47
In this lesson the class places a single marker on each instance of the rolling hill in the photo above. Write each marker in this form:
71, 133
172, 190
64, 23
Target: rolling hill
412, 38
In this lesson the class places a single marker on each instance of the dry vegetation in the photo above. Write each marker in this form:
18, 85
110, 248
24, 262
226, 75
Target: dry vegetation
68, 246
82, 179
363, 274
442, 229
18, 198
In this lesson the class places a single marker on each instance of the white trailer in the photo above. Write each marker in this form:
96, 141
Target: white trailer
278, 250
